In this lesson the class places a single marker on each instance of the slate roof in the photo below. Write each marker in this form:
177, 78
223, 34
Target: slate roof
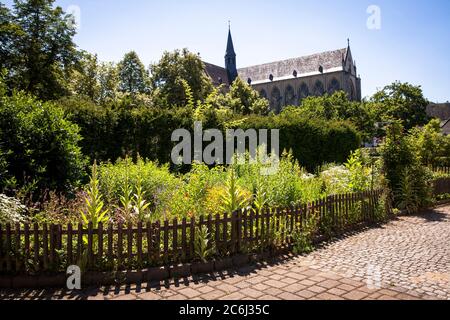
216, 73
446, 127
330, 60
439, 110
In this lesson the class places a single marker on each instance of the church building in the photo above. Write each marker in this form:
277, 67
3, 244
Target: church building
287, 82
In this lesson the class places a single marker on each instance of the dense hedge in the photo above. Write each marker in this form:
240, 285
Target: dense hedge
115, 131
39, 146
313, 141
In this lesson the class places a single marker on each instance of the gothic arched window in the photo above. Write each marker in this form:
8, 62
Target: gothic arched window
275, 100
319, 89
263, 93
304, 91
289, 96
351, 90
334, 86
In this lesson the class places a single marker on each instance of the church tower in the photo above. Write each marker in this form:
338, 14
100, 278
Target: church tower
230, 59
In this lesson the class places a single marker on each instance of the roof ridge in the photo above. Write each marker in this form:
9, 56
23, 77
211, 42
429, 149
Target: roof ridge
292, 59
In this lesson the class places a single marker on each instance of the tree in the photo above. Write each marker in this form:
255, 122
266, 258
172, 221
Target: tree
39, 50
245, 100
431, 144
406, 179
39, 145
166, 76
338, 107
8, 32
108, 77
85, 78
132, 75
401, 101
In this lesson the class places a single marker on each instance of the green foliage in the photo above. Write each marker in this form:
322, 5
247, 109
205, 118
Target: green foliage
202, 247
167, 75
129, 128
234, 198
140, 204
406, 178
126, 185
40, 146
12, 211
132, 75
338, 107
432, 146
302, 236
84, 78
313, 141
94, 211
38, 47
245, 100
360, 175
400, 101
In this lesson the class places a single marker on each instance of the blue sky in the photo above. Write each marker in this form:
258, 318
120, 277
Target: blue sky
412, 45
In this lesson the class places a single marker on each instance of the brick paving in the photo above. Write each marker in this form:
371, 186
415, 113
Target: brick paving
406, 259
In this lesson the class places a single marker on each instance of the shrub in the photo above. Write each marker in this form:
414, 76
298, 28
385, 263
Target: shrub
157, 185
12, 211
313, 141
406, 178
40, 146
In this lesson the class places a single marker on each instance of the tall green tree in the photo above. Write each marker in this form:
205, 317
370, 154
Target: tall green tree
85, 78
401, 101
244, 99
40, 52
132, 74
338, 107
108, 78
168, 73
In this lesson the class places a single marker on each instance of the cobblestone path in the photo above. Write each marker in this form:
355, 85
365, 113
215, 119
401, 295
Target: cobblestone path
408, 258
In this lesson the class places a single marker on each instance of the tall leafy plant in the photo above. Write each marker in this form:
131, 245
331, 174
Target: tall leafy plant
94, 211
233, 199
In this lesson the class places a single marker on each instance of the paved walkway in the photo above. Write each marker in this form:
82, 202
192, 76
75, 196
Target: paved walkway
408, 258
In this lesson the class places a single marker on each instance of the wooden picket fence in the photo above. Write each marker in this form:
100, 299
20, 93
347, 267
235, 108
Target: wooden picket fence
441, 186
442, 170
37, 248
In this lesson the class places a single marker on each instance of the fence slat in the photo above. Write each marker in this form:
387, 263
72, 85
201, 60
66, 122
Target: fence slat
184, 242
130, 245
110, 243
52, 238
158, 241
69, 244
225, 233
90, 245
8, 247
17, 264
119, 244
45, 246
36, 247
79, 242
192, 239
100, 243
2, 255
149, 242
26, 241
139, 243
166, 242
175, 240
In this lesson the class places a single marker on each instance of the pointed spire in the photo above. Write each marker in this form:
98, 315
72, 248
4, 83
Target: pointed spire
230, 58
230, 46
